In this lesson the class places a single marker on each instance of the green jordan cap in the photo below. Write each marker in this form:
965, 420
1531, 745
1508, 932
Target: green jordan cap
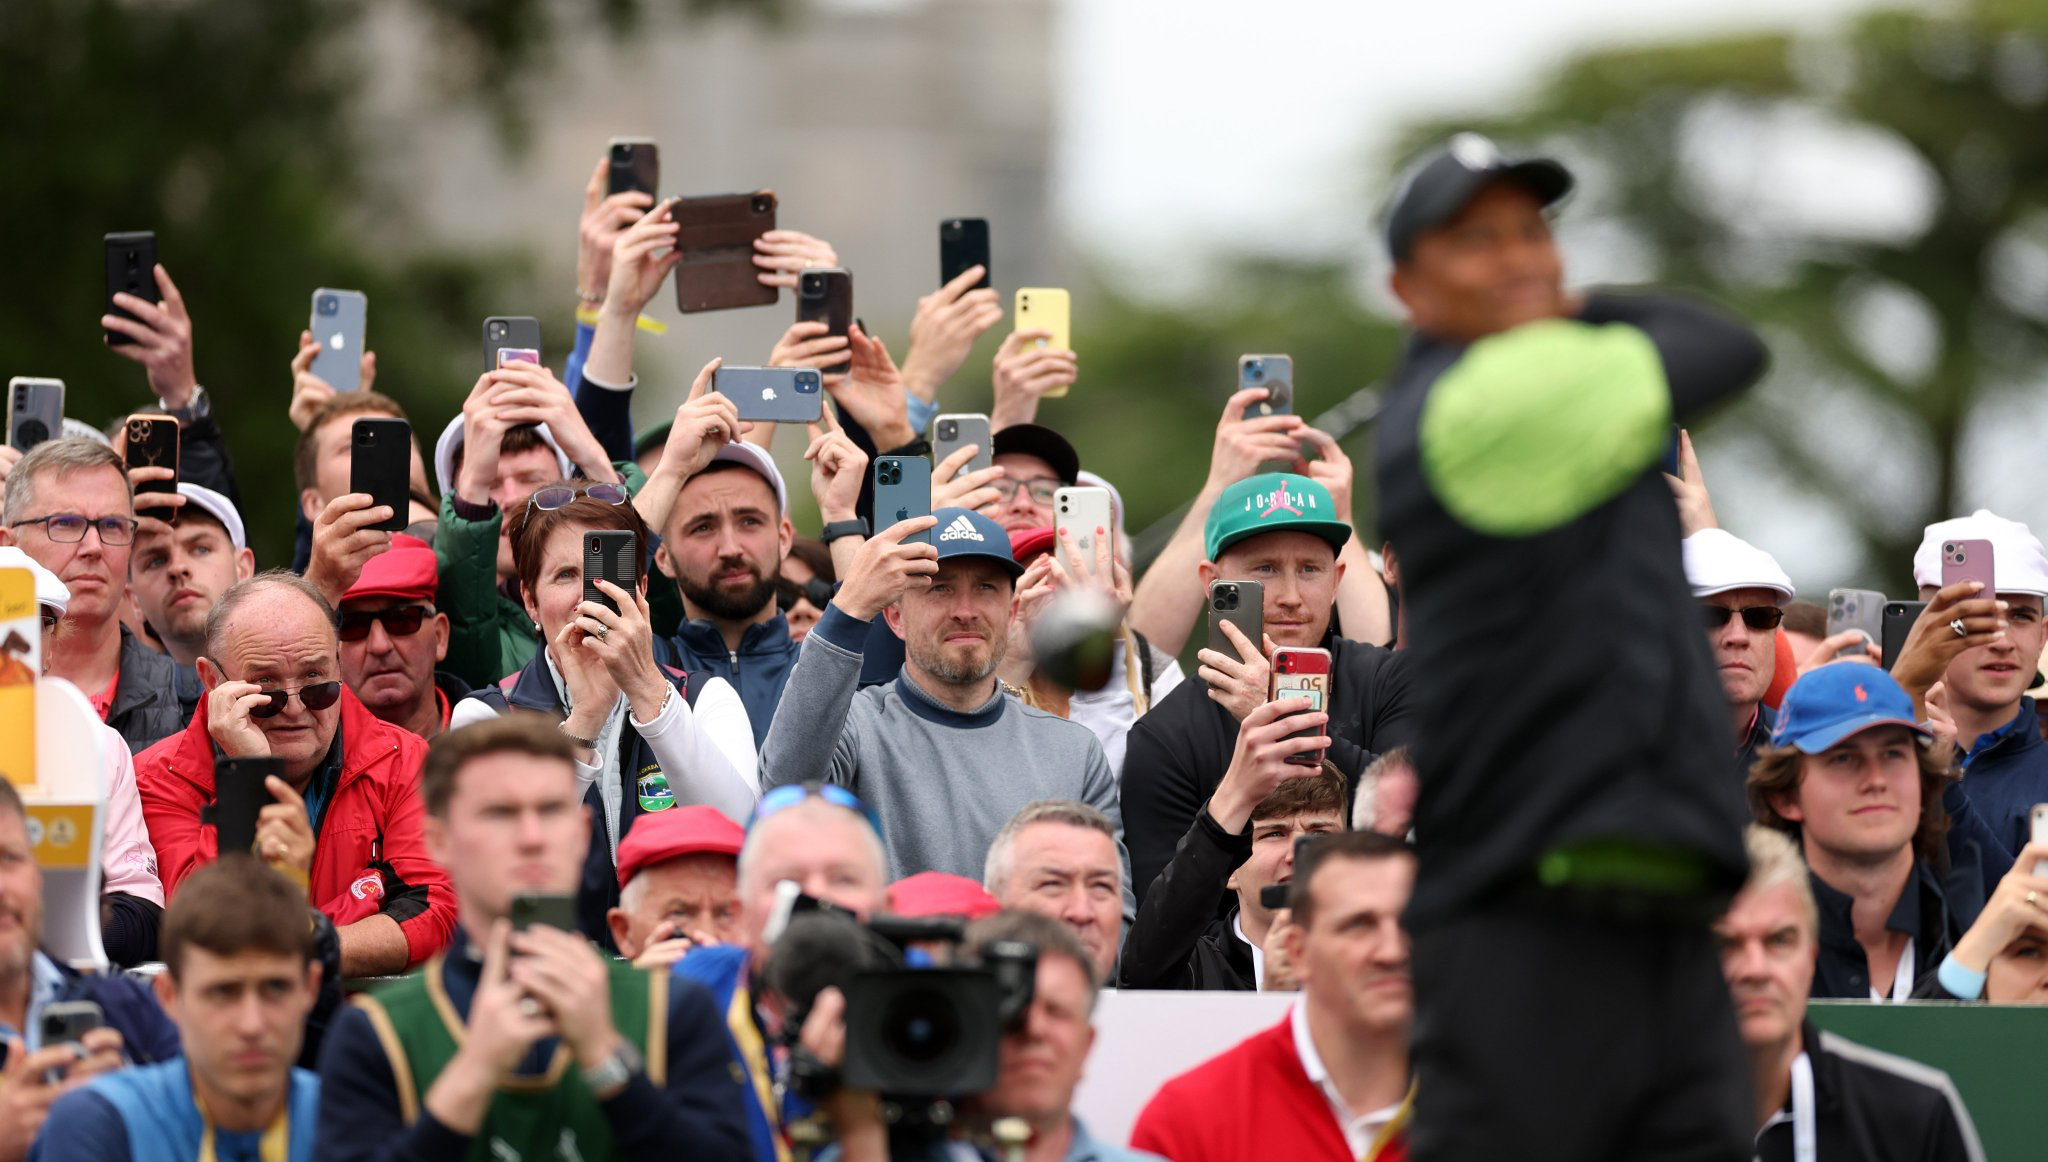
1269, 503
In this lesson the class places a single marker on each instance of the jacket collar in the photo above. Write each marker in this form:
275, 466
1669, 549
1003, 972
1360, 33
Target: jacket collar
928, 708
2020, 734
700, 637
1919, 903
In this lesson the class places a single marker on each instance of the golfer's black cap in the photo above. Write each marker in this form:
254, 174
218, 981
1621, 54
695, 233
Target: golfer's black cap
1442, 183
1042, 442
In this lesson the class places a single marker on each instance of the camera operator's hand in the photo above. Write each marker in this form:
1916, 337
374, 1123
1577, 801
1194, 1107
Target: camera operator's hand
1024, 372
886, 568
948, 322
564, 973
1689, 488
529, 393
309, 391
228, 719
1244, 444
838, 468
1280, 976
284, 830
872, 392
343, 543
2019, 904
975, 490
162, 337
783, 254
1258, 762
1933, 643
503, 1025
604, 219
1238, 684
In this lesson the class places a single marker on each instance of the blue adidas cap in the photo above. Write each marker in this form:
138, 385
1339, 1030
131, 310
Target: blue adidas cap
964, 533
1838, 700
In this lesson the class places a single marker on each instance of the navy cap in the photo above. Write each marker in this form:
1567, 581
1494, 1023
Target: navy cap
1040, 441
964, 533
1439, 187
1838, 700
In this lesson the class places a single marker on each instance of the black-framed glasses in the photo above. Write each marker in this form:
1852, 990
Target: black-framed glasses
402, 621
68, 528
1756, 617
314, 696
1043, 489
556, 496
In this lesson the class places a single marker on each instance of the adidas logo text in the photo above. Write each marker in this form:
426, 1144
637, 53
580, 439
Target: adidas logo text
961, 529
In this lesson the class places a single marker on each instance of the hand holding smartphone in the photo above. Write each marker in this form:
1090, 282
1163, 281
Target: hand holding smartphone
1077, 513
609, 554
634, 166
380, 465
825, 295
1275, 373
963, 244
240, 793
776, 395
956, 430
1861, 610
153, 443
1968, 560
131, 269
340, 318
1303, 672
520, 333
903, 491
1041, 308
1242, 604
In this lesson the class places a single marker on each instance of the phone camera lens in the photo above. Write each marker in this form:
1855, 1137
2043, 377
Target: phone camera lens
329, 305
949, 431
763, 204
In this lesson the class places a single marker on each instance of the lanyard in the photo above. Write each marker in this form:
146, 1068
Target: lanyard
1902, 977
275, 1145
1804, 1148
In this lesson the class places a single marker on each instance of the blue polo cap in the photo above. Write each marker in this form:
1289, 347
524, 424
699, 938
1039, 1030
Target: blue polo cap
964, 533
1838, 700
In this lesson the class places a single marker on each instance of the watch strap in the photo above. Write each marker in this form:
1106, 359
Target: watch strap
834, 530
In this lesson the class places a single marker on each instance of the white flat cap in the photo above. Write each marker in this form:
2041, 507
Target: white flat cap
1717, 561
2019, 565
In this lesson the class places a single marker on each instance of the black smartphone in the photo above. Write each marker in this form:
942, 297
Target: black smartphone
1242, 604
131, 268
555, 911
611, 555
825, 295
1899, 617
963, 242
1273, 897
153, 443
903, 491
239, 796
514, 332
1671, 451
380, 463
635, 167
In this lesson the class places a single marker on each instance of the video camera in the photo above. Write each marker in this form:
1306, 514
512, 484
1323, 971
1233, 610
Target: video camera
925, 1015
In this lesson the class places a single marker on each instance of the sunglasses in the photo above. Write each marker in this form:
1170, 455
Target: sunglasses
817, 591
1757, 617
556, 496
404, 621
317, 696
784, 797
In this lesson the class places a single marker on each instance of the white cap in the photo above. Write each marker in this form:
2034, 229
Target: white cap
1717, 561
50, 592
218, 507
2018, 563
756, 457
77, 429
451, 440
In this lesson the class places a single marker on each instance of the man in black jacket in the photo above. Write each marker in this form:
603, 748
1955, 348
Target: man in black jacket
1177, 942
1278, 529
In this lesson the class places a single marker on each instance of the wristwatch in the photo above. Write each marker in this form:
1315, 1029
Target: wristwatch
197, 407
608, 1077
843, 528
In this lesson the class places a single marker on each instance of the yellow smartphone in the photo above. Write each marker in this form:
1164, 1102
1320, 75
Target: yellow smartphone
1045, 308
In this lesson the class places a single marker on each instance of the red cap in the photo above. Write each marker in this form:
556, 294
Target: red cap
406, 569
1026, 544
660, 836
934, 893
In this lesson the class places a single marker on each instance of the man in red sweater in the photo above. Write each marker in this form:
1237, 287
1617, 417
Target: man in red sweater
1332, 1080
346, 817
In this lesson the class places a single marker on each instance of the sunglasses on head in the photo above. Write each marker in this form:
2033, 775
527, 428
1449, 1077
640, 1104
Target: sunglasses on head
316, 696
789, 795
556, 496
404, 621
1757, 617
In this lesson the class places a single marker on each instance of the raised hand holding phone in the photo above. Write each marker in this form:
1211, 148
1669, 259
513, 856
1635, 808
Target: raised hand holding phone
605, 215
158, 336
1027, 370
1266, 739
888, 565
944, 330
872, 392
1243, 444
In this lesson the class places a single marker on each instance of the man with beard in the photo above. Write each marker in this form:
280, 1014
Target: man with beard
924, 751
178, 572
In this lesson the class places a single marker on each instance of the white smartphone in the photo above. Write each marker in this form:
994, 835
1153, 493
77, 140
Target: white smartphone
2041, 836
35, 411
339, 320
1083, 510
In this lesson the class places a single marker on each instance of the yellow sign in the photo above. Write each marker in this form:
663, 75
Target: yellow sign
61, 834
21, 641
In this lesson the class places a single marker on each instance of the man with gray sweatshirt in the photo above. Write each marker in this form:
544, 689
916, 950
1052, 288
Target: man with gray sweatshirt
942, 754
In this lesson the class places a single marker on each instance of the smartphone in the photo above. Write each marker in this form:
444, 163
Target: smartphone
153, 443
635, 167
1968, 561
67, 1022
1242, 604
2040, 835
1859, 609
1302, 672
35, 411
956, 430
380, 464
131, 268
555, 911
1083, 510
903, 491
515, 331
1045, 308
716, 235
339, 319
609, 554
825, 295
240, 794
510, 355
1671, 450
1899, 617
963, 242
1275, 373
781, 395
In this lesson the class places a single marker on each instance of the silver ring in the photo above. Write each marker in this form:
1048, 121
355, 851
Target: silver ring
1957, 625
528, 1007
2034, 898
601, 632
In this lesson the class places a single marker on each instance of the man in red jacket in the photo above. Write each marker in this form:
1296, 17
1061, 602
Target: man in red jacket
346, 820
1332, 1081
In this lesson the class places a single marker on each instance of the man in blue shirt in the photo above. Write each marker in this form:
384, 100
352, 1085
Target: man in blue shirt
239, 979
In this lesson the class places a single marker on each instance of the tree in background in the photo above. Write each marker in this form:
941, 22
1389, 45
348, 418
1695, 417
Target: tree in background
1906, 328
